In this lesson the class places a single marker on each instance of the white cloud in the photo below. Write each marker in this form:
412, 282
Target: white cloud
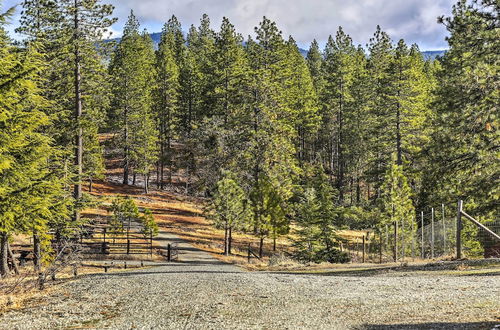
413, 20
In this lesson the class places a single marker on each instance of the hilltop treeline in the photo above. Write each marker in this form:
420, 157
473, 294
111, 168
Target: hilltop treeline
350, 136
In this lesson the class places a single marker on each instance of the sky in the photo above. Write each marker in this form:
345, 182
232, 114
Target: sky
413, 20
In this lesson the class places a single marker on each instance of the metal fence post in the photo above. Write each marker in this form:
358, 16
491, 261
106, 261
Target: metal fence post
459, 229
444, 231
395, 241
432, 233
403, 245
413, 238
422, 230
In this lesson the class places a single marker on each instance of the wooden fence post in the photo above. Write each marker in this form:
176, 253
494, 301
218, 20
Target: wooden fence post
169, 252
364, 249
128, 246
249, 253
41, 281
380, 247
459, 229
103, 248
151, 244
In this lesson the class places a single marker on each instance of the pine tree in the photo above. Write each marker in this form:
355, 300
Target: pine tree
315, 64
380, 91
412, 92
125, 212
303, 102
167, 101
338, 102
464, 152
143, 129
28, 188
358, 137
318, 220
229, 208
66, 33
133, 70
397, 207
270, 155
225, 133
269, 212
149, 225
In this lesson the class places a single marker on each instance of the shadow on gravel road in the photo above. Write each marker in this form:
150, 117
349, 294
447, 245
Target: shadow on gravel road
436, 325
452, 268
135, 273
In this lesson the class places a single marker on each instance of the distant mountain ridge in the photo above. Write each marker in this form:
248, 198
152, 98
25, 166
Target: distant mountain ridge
428, 55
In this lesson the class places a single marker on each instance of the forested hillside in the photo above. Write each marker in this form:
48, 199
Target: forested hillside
349, 137
156, 37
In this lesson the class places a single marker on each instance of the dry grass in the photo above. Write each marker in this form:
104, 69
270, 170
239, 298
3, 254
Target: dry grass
183, 216
16, 292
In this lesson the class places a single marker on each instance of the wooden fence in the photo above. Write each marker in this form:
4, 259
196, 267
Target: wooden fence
108, 241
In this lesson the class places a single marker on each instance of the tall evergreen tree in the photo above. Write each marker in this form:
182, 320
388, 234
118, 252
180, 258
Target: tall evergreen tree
340, 65
229, 208
397, 208
29, 191
315, 64
464, 156
303, 102
132, 70
225, 133
66, 32
166, 101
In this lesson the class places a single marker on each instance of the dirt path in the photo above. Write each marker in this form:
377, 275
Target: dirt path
187, 252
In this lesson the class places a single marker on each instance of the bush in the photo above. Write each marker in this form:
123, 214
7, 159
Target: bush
319, 256
332, 256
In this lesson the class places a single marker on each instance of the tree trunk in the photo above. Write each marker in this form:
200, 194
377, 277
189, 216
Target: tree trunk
146, 184
395, 252
169, 159
158, 178
230, 241
11, 255
398, 126
4, 263
340, 151
358, 190
134, 177
90, 184
77, 194
261, 247
37, 255
226, 239
274, 244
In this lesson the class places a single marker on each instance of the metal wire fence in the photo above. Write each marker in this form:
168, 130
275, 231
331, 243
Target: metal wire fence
430, 235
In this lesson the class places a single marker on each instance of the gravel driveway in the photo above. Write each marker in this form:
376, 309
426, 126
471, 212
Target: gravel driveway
202, 293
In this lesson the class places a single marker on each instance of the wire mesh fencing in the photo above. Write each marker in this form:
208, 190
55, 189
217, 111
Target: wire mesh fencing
430, 235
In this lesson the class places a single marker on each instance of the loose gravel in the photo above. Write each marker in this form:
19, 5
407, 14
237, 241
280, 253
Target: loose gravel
210, 295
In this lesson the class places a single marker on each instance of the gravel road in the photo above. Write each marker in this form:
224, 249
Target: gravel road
201, 293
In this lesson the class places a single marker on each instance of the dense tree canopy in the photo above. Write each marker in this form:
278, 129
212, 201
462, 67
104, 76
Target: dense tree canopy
245, 121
